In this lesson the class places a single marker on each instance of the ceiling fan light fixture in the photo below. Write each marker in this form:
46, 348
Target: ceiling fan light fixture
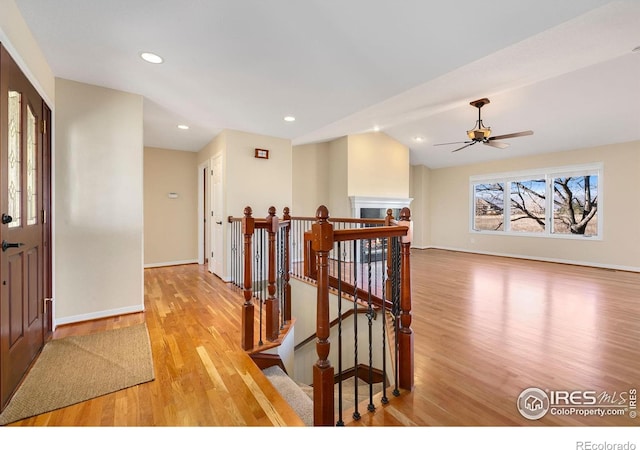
480, 132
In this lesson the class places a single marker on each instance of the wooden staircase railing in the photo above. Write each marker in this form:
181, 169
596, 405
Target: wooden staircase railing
323, 237
393, 300
310, 270
277, 307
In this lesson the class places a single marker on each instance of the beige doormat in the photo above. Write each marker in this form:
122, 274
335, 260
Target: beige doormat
77, 368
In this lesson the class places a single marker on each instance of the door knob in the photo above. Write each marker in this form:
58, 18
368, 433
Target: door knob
6, 245
219, 223
6, 218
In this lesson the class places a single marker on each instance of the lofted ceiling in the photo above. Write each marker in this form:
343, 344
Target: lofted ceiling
564, 69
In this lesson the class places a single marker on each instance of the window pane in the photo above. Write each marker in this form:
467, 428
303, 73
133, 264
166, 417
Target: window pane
528, 199
14, 176
32, 193
575, 205
489, 207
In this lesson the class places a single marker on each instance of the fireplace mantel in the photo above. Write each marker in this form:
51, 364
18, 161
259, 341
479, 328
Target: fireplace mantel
358, 202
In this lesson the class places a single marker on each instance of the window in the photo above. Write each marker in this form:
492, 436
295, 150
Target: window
558, 202
489, 206
528, 205
575, 205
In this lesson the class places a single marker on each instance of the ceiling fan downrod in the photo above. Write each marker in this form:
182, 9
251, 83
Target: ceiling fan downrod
479, 132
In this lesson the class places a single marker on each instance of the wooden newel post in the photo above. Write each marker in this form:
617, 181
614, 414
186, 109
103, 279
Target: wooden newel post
405, 334
271, 304
388, 219
248, 225
287, 265
323, 394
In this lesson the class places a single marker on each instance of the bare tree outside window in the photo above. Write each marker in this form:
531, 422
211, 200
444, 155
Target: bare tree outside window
489, 207
575, 205
572, 208
528, 205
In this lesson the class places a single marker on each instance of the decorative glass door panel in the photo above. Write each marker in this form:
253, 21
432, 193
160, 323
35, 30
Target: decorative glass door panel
32, 167
14, 178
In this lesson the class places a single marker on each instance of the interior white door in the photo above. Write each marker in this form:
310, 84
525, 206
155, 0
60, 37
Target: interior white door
216, 262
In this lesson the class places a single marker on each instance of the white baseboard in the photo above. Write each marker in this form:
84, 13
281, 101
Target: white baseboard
540, 258
97, 315
171, 263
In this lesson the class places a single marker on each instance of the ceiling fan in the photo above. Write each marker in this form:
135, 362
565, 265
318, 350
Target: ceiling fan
480, 133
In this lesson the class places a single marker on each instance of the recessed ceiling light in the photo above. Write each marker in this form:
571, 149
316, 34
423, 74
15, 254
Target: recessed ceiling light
289, 119
376, 128
151, 58
183, 127
418, 139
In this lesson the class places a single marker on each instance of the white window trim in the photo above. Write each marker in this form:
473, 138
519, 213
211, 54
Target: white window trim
548, 174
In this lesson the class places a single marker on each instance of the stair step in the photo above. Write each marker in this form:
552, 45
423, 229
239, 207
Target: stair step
292, 393
300, 396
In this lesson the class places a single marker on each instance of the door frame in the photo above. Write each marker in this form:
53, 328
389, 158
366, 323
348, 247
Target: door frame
47, 226
218, 228
203, 211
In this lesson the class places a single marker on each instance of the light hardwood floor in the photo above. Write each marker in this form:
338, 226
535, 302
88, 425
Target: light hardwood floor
485, 329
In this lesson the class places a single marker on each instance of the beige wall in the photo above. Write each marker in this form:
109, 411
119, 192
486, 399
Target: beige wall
620, 247
420, 178
310, 183
170, 225
378, 166
362, 165
213, 148
21, 45
98, 203
259, 183
337, 175
249, 181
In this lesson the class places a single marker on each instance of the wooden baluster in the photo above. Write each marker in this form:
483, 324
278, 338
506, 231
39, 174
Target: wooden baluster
287, 266
248, 226
405, 334
271, 304
310, 268
388, 285
323, 396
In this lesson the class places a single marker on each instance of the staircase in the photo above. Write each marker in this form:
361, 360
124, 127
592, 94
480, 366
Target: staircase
331, 253
300, 396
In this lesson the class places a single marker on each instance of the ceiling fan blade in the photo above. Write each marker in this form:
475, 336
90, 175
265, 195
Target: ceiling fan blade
464, 146
451, 143
496, 144
511, 135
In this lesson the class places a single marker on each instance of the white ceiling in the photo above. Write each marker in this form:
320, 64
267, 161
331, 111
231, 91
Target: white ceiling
564, 69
